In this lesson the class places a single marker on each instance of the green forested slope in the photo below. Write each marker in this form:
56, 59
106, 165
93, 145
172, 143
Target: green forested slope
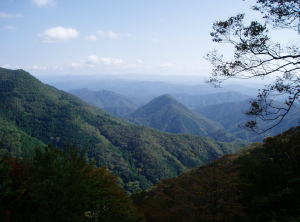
166, 114
139, 155
16, 141
259, 184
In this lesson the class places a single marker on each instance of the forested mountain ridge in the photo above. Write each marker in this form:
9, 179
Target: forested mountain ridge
114, 103
258, 184
139, 155
232, 116
195, 102
167, 114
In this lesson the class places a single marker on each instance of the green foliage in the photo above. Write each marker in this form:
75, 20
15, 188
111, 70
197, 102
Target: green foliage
270, 178
16, 141
260, 184
140, 156
166, 114
257, 54
60, 186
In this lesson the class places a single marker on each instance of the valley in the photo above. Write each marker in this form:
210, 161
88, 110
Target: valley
149, 111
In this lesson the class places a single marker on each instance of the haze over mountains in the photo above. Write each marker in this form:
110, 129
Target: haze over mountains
198, 114
111, 102
201, 131
166, 114
232, 117
39, 114
145, 89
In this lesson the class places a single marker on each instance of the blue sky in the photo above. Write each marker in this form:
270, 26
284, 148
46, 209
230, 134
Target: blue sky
96, 37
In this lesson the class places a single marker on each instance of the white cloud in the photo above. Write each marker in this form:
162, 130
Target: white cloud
139, 61
9, 27
92, 61
76, 65
36, 67
44, 3
108, 34
58, 34
7, 66
166, 65
9, 15
112, 35
155, 40
91, 38
105, 60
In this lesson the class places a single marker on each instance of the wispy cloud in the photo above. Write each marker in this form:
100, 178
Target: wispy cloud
9, 27
167, 65
37, 67
10, 15
58, 34
139, 61
93, 60
111, 35
105, 60
91, 38
44, 3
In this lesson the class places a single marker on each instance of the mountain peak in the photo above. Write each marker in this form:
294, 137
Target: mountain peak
41, 114
167, 114
163, 101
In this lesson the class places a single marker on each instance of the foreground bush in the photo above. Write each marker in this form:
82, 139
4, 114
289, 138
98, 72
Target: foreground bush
60, 186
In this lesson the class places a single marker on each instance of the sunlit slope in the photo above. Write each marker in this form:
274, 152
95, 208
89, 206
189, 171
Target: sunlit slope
139, 155
167, 114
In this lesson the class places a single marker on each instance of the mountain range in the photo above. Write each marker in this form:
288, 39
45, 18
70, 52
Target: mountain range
232, 117
167, 114
219, 115
114, 103
40, 114
198, 101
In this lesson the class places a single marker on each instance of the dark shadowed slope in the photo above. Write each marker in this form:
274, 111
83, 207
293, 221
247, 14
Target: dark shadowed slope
260, 184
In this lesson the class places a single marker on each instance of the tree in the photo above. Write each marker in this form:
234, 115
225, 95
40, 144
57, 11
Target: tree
60, 186
257, 56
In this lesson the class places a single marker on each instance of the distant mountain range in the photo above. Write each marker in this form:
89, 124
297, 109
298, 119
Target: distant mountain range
114, 103
232, 116
121, 105
217, 115
145, 90
167, 114
198, 101
33, 114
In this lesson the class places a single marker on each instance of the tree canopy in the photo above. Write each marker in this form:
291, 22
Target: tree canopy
60, 186
256, 55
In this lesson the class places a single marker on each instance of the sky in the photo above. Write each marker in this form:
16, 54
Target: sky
111, 37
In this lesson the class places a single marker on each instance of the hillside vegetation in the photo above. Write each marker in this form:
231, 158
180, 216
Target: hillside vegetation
114, 103
139, 155
60, 186
260, 184
167, 114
